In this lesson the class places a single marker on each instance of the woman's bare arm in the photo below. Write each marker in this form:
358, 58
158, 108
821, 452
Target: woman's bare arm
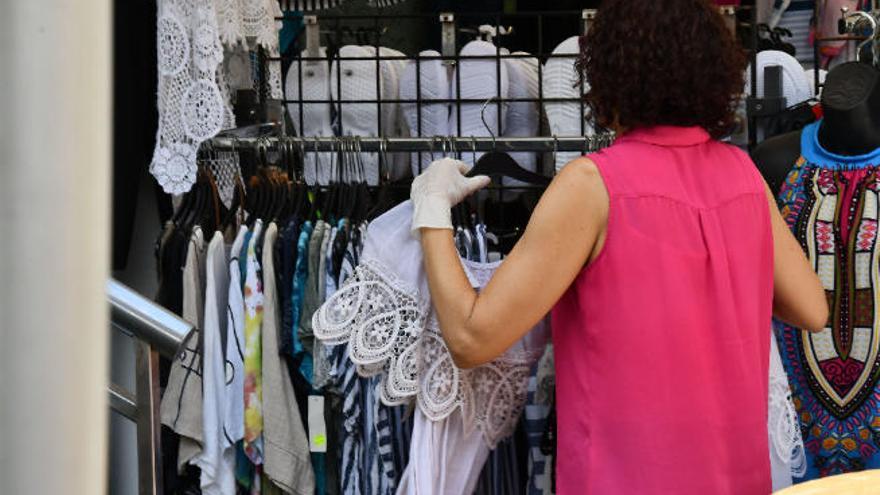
565, 231
798, 296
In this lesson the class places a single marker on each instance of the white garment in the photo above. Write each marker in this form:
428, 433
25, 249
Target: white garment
252, 24
392, 114
190, 104
312, 83
384, 313
561, 80
217, 464
523, 118
787, 456
429, 81
233, 422
443, 458
480, 79
795, 86
356, 80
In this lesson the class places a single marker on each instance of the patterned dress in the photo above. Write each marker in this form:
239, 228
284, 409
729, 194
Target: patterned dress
830, 202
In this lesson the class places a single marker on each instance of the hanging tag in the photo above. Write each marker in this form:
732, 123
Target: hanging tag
317, 427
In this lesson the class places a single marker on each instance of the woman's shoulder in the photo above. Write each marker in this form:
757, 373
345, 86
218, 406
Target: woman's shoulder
582, 172
582, 180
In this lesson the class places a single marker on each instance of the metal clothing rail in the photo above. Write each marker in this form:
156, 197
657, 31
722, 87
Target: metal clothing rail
437, 144
146, 320
155, 331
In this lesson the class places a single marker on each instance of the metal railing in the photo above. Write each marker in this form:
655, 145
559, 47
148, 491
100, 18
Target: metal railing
155, 331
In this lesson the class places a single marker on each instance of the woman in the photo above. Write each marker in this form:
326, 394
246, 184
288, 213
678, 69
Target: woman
661, 258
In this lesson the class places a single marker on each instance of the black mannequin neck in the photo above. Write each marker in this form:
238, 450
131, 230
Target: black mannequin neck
851, 106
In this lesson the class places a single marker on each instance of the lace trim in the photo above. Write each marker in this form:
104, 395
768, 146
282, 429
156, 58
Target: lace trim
490, 396
389, 332
783, 423
381, 322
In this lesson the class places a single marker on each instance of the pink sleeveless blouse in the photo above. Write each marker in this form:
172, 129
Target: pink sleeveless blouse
662, 342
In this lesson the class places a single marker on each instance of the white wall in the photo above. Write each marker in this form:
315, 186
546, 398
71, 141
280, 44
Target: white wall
54, 245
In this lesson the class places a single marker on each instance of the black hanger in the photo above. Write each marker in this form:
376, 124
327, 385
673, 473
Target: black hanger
497, 163
383, 197
183, 209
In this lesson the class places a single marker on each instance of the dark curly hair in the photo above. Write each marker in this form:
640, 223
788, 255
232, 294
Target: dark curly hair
662, 62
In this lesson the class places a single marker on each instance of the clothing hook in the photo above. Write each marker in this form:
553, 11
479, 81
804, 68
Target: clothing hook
474, 150
483, 118
383, 156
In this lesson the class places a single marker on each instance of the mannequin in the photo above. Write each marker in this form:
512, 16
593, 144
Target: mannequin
850, 127
828, 176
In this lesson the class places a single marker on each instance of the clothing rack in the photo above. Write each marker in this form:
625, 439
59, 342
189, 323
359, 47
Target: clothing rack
452, 35
437, 144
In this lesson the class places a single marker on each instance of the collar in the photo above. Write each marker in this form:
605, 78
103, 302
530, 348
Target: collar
813, 152
667, 135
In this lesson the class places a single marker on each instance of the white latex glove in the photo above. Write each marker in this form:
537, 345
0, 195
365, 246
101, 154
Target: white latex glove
440, 187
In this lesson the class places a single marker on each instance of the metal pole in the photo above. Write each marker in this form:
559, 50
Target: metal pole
55, 137
149, 427
146, 320
427, 144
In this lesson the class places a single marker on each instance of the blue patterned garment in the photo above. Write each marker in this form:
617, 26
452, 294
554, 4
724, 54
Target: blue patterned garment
299, 286
535, 419
831, 204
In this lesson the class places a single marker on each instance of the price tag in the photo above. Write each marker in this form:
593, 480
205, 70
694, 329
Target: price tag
317, 427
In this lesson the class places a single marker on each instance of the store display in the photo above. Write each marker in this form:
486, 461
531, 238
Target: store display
319, 365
